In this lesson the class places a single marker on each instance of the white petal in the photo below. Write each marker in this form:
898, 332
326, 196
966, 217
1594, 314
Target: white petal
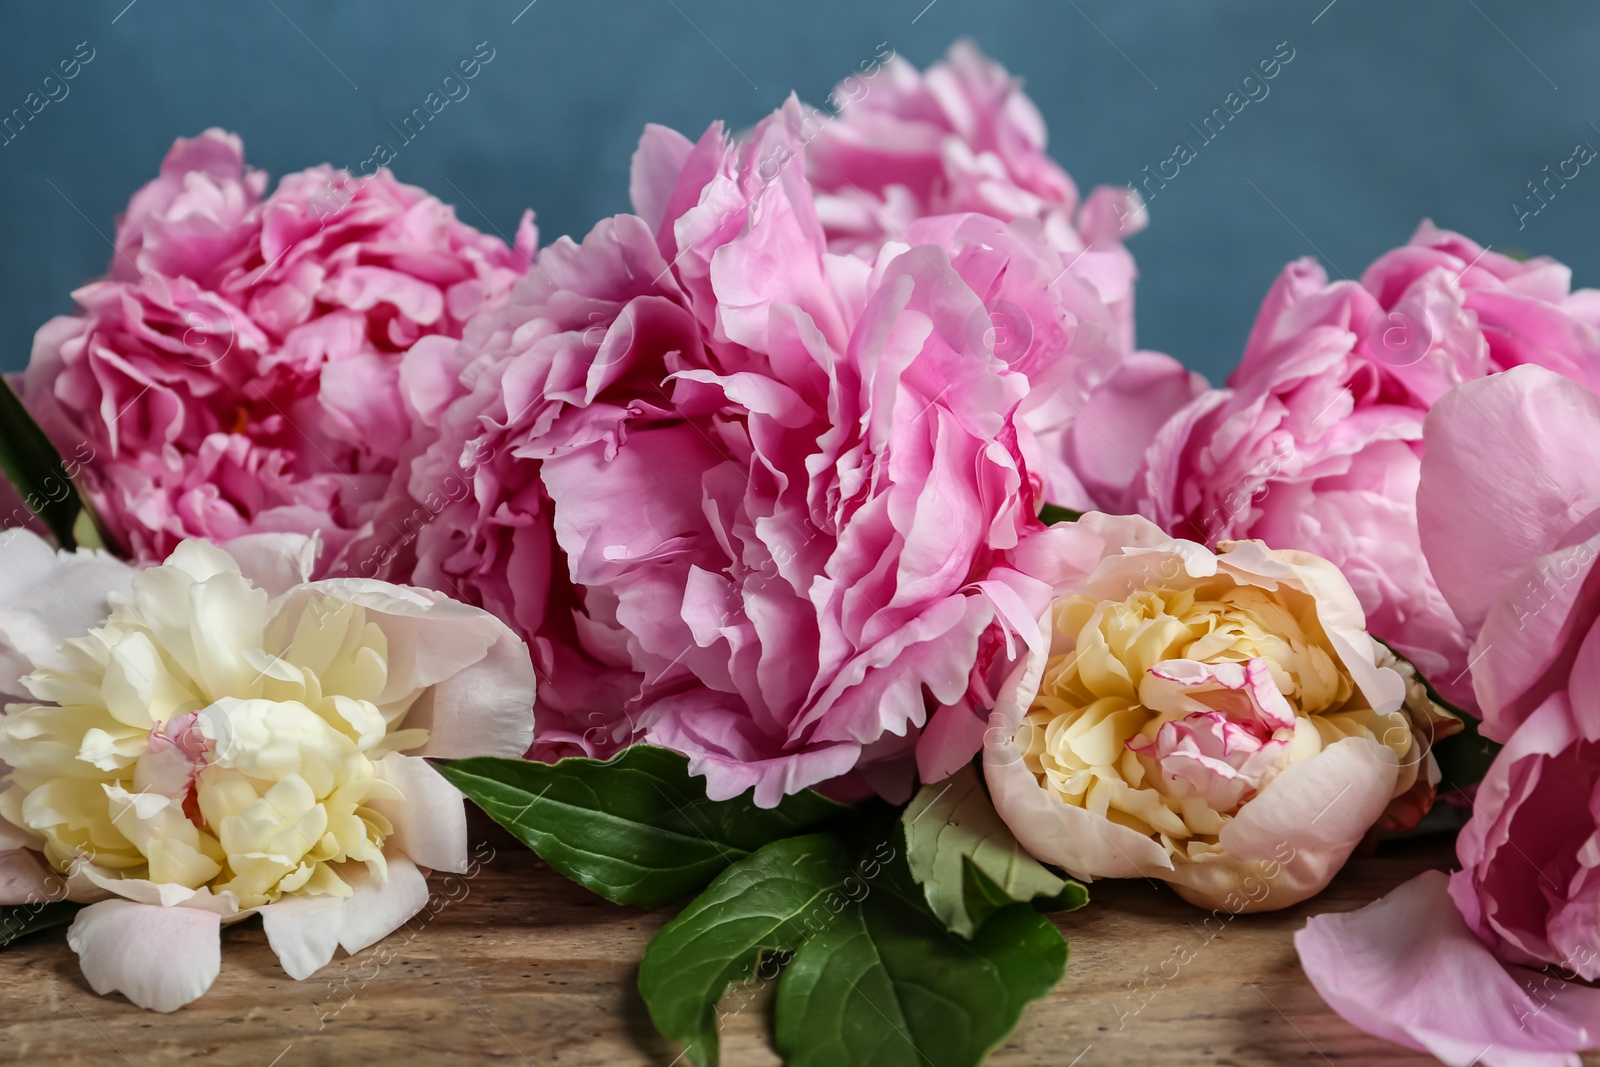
430, 824
229, 617
304, 931
431, 637
144, 891
201, 560
485, 710
159, 958
275, 562
379, 908
1085, 844
46, 597
1339, 611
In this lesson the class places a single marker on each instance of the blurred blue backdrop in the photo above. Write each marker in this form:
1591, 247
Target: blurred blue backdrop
1387, 114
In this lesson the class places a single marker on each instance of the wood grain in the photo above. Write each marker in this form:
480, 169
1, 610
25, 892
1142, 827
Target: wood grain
524, 967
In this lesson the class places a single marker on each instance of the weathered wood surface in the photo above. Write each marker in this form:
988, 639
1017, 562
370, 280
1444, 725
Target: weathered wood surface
527, 968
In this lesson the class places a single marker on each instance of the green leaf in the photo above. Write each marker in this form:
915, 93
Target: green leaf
637, 829
984, 897
759, 906
34, 467
887, 985
1073, 896
980, 896
1050, 514
872, 977
952, 830
20, 920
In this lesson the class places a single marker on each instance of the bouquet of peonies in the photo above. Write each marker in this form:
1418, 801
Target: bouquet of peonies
814, 545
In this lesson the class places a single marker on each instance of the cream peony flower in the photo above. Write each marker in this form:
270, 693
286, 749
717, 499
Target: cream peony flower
228, 740
1221, 721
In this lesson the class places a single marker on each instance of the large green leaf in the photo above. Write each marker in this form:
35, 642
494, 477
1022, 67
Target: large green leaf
23, 919
35, 469
767, 903
967, 860
637, 829
872, 977
887, 985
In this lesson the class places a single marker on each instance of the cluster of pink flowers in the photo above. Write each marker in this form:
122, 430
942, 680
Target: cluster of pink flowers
239, 369
743, 466
1487, 961
748, 495
1316, 441
756, 472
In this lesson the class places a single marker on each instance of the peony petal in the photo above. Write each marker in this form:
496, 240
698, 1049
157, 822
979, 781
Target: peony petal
1288, 842
486, 709
1528, 643
430, 822
431, 638
1087, 845
159, 958
304, 932
1407, 968
275, 562
1337, 609
1503, 483
1105, 446
1583, 686
46, 597
954, 735
657, 163
381, 906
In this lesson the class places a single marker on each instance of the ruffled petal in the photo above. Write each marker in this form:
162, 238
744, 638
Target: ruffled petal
1507, 442
45, 598
430, 822
159, 958
1407, 968
1288, 842
304, 931
380, 906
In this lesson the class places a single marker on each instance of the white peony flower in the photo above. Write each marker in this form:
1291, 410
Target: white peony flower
216, 737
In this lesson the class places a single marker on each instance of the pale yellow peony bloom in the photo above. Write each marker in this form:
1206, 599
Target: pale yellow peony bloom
1203, 717
230, 739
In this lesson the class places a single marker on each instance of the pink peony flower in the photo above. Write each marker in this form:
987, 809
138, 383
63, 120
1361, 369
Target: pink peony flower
898, 145
1507, 506
1317, 441
749, 498
238, 370
474, 517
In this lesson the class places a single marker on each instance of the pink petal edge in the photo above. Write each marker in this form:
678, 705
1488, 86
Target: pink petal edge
1408, 969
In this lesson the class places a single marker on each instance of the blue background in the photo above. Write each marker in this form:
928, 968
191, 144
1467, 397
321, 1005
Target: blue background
1389, 113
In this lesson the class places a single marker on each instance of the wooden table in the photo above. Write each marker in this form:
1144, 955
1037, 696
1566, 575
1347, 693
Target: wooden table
528, 968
